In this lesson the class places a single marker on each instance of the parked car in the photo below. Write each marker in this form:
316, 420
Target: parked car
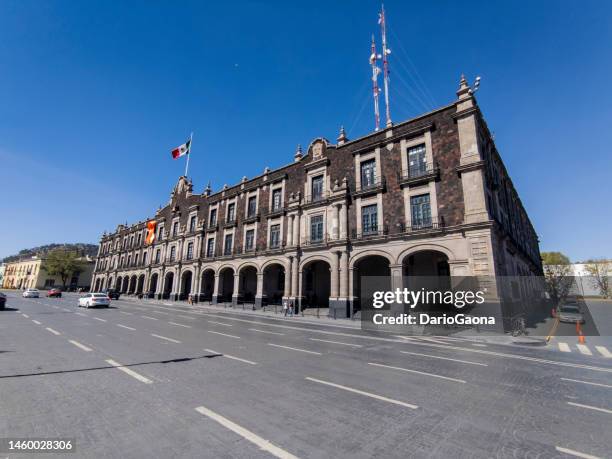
2, 300
90, 300
112, 293
54, 293
570, 312
31, 293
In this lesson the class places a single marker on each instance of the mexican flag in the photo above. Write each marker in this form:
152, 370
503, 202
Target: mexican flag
181, 150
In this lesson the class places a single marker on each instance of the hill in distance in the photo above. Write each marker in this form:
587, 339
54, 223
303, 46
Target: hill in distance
41, 251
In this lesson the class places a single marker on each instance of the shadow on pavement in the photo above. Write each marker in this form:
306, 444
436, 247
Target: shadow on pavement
5, 309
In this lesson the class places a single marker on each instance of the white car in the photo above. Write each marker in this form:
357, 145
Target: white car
31, 293
90, 300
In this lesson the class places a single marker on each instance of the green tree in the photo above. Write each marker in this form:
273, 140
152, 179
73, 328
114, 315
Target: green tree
64, 264
558, 275
600, 271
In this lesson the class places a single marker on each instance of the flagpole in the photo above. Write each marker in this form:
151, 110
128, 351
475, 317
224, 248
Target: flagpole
188, 154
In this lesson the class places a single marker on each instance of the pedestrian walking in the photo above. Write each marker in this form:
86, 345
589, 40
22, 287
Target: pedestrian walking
285, 307
291, 308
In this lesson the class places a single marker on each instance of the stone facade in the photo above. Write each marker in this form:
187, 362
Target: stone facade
30, 273
426, 196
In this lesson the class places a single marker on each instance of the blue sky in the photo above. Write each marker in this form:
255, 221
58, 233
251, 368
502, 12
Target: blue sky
93, 95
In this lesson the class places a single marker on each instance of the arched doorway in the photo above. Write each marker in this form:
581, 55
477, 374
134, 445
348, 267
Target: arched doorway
124, 287
185, 288
316, 285
274, 283
370, 273
168, 281
226, 285
207, 286
101, 284
97, 289
153, 285
247, 285
132, 288
429, 270
140, 284
118, 284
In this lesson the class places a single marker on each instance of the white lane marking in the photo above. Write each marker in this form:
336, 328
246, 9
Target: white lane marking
445, 358
56, 307
418, 372
509, 356
55, 332
295, 349
232, 357
589, 407
361, 392
36, 322
603, 351
584, 349
180, 325
186, 317
572, 452
80, 346
262, 443
219, 323
130, 372
101, 320
223, 334
266, 331
81, 314
166, 338
335, 342
159, 312
126, 313
587, 382
125, 326
564, 347
479, 345
167, 304
66, 309
150, 318
26, 316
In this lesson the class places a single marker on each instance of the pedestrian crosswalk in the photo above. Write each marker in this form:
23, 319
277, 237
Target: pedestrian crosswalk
584, 349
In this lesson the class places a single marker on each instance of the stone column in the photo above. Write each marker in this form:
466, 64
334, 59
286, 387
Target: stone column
259, 296
287, 291
295, 292
215, 296
176, 285
290, 231
343, 221
397, 282
335, 222
236, 293
195, 283
344, 272
334, 276
296, 230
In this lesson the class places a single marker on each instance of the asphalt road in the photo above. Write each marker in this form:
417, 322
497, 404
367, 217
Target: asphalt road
142, 380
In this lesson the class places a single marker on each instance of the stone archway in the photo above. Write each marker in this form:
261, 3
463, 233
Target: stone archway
370, 273
168, 284
316, 285
247, 284
97, 288
207, 285
226, 285
119, 284
152, 285
124, 287
426, 269
185, 287
274, 283
140, 284
132, 286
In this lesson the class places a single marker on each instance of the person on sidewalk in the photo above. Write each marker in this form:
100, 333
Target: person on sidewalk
285, 307
291, 308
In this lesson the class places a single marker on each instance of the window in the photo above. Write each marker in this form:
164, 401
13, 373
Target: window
249, 240
190, 251
316, 228
369, 219
276, 199
138, 238
136, 260
368, 173
144, 258
129, 260
192, 224
417, 162
316, 190
252, 206
157, 256
172, 253
213, 217
210, 248
420, 211
160, 233
227, 247
175, 227
275, 236
231, 212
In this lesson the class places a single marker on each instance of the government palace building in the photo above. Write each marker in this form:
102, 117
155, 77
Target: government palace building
426, 197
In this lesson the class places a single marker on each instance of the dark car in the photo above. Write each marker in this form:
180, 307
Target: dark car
54, 293
2, 300
112, 293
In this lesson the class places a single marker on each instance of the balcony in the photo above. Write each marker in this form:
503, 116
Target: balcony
212, 226
419, 174
424, 225
251, 217
373, 233
371, 185
317, 198
275, 212
230, 223
317, 241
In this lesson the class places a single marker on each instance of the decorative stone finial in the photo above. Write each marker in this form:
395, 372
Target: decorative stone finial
464, 89
244, 178
208, 189
298, 153
342, 137
267, 170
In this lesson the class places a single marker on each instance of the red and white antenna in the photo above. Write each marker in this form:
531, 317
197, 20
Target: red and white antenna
375, 91
385, 54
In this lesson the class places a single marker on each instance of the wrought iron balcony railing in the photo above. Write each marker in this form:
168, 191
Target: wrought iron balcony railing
419, 173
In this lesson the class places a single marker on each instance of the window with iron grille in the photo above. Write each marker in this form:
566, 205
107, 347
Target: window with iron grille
420, 211
144, 258
276, 199
369, 219
249, 240
175, 227
368, 173
316, 228
172, 253
252, 206
192, 224
210, 247
231, 212
274, 236
213, 217
157, 256
136, 260
417, 162
227, 246
316, 188
190, 251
